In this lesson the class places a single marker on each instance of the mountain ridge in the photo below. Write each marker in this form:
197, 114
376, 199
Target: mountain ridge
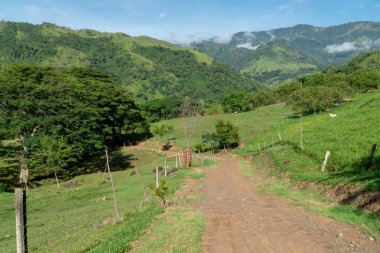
333, 45
147, 67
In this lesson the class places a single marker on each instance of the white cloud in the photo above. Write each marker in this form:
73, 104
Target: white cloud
272, 36
222, 39
340, 48
185, 40
248, 45
376, 43
162, 15
352, 46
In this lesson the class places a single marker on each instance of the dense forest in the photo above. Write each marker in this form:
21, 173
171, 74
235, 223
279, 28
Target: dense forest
147, 67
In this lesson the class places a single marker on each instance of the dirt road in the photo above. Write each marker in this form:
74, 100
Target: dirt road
242, 220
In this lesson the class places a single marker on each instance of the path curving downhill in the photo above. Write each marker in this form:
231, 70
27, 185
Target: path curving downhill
242, 220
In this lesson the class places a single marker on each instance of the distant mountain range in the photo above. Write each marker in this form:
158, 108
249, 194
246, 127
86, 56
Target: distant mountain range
149, 68
276, 55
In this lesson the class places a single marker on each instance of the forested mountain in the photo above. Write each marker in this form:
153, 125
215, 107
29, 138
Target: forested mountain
149, 68
318, 91
304, 47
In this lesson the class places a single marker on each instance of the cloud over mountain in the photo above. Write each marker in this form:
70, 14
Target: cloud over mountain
222, 39
352, 46
248, 45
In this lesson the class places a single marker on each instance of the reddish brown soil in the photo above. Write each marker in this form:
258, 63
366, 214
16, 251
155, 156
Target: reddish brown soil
242, 220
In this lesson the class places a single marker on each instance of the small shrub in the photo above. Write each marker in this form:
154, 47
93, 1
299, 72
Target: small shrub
3, 187
226, 135
161, 192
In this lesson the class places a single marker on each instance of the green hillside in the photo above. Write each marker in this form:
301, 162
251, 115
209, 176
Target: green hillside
276, 62
148, 67
349, 136
251, 124
252, 52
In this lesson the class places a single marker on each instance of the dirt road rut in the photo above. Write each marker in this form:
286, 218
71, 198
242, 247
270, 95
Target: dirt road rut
242, 220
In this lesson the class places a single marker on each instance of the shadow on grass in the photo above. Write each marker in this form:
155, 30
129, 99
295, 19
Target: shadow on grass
9, 168
368, 179
97, 163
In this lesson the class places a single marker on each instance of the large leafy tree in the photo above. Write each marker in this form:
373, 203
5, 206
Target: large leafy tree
80, 105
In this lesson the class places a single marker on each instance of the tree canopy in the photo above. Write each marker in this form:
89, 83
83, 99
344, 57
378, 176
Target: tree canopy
78, 108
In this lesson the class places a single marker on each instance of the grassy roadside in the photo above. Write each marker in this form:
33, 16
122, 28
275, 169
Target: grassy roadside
130, 229
80, 216
178, 229
310, 199
300, 167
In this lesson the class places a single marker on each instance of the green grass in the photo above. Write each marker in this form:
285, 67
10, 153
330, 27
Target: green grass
247, 168
69, 220
197, 175
349, 136
131, 228
300, 167
179, 230
251, 124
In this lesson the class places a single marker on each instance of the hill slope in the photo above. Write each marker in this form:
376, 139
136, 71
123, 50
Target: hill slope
325, 45
149, 68
349, 136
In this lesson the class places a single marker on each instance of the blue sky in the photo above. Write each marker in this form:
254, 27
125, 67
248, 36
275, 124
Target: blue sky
186, 20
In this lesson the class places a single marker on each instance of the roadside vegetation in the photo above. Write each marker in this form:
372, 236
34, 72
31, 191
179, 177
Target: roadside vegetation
82, 213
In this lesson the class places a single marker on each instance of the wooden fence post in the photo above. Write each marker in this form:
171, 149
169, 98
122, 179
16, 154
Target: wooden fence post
156, 177
372, 154
325, 160
180, 160
113, 187
21, 228
166, 166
